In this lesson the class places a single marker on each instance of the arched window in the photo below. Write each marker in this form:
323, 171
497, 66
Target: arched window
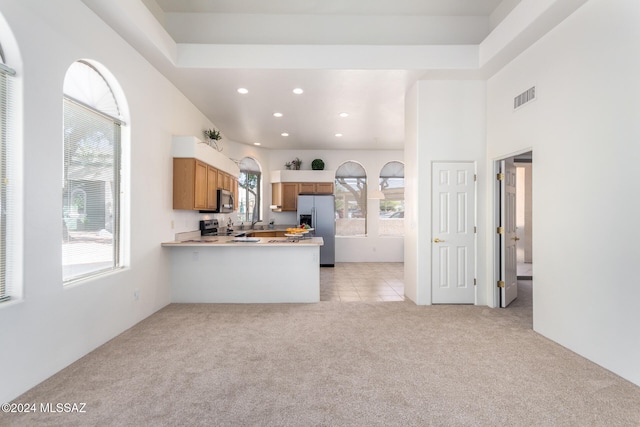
91, 241
351, 200
249, 190
7, 173
392, 206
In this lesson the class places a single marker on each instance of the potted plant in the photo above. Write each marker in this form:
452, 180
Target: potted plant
317, 165
293, 164
213, 136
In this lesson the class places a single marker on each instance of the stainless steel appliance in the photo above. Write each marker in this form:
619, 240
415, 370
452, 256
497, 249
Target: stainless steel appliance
320, 213
211, 227
225, 202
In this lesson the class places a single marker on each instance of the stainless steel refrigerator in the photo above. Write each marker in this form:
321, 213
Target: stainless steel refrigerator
320, 213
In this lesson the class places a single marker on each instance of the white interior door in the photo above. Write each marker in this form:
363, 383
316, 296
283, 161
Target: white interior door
453, 253
508, 238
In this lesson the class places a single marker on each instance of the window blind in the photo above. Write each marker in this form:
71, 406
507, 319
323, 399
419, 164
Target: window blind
7, 190
90, 192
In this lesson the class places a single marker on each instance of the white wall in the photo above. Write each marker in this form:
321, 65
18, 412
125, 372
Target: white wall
372, 248
446, 124
55, 325
584, 131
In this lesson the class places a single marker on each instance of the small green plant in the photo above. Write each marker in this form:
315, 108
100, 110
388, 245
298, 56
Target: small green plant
317, 165
213, 134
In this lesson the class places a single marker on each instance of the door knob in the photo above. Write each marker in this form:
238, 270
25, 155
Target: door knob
436, 240
516, 238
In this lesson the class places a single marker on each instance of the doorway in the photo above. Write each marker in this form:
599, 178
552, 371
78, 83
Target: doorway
514, 229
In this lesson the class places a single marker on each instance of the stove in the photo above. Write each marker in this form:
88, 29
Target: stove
211, 227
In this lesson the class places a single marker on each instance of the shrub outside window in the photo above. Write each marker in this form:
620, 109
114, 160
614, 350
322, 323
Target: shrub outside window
249, 190
351, 200
392, 206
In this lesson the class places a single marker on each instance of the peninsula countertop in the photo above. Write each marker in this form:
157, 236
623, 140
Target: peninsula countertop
232, 241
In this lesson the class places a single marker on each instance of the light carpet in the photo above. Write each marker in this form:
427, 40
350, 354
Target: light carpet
335, 364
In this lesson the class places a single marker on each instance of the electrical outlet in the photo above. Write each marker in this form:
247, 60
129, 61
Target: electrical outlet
172, 225
136, 294
196, 256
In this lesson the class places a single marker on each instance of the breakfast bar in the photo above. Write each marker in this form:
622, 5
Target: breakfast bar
228, 269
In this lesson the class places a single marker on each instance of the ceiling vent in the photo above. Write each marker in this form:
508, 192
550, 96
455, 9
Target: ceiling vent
525, 97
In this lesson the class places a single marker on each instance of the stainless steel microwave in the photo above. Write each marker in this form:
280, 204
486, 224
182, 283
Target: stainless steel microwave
225, 202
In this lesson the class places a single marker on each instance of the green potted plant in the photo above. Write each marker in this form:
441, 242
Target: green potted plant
213, 136
317, 165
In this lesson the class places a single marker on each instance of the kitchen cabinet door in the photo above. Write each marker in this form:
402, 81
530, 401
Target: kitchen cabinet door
307, 188
324, 188
189, 184
284, 196
234, 189
289, 196
200, 201
212, 188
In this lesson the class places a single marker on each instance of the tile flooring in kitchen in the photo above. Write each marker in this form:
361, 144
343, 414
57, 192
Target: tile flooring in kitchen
362, 281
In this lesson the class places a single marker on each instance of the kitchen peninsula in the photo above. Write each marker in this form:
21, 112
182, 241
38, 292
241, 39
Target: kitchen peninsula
227, 269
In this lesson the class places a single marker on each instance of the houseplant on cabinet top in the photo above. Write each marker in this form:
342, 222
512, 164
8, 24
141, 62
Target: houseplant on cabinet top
213, 136
317, 165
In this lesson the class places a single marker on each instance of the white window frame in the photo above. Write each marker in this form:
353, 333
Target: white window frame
108, 113
9, 230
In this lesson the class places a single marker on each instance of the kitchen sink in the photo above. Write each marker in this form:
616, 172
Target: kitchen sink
245, 239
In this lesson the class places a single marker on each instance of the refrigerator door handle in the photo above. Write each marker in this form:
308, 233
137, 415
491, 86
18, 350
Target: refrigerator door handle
313, 217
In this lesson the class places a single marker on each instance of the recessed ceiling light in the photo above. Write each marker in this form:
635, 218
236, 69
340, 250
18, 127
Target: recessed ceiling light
243, 91
338, 135
344, 114
298, 91
256, 143
277, 114
284, 134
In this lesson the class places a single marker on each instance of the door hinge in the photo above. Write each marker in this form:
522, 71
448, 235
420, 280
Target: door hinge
475, 229
500, 177
501, 284
475, 282
500, 230
475, 177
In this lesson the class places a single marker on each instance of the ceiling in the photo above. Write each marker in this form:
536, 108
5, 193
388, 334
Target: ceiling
357, 57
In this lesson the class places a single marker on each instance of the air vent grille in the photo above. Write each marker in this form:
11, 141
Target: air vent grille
525, 97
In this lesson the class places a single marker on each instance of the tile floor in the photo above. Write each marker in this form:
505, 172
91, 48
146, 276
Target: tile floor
362, 281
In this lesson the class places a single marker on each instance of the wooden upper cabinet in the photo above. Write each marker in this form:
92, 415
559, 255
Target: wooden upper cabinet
212, 188
224, 181
307, 188
234, 189
196, 184
284, 196
189, 184
316, 187
220, 179
289, 196
324, 188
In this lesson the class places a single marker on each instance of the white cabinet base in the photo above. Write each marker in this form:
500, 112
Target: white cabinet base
251, 274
